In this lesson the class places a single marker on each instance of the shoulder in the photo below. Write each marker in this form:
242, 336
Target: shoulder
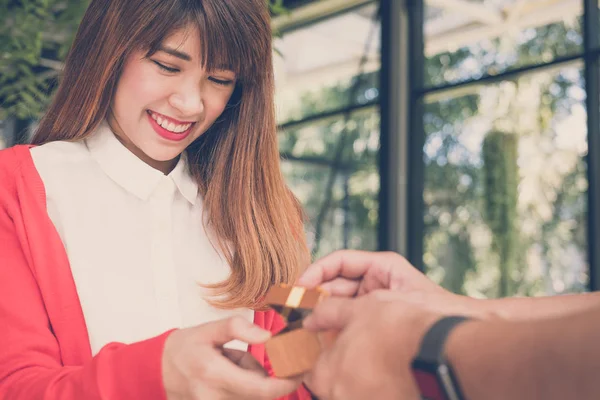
15, 165
61, 159
12, 162
60, 152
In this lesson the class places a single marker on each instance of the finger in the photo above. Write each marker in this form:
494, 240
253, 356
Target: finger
220, 332
398, 276
248, 384
244, 360
385, 276
341, 287
345, 263
331, 314
319, 379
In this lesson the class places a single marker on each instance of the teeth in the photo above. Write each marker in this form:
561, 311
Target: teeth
170, 126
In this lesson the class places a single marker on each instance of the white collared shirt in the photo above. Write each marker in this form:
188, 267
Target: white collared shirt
134, 238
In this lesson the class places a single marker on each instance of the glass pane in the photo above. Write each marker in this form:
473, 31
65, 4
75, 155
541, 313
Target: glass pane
468, 39
321, 139
340, 194
327, 54
505, 187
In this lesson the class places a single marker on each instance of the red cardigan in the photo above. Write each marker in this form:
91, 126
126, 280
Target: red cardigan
44, 346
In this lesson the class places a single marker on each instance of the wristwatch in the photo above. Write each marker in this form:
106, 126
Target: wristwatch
432, 372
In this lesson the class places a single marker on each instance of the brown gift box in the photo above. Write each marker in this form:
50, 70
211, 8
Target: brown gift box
295, 350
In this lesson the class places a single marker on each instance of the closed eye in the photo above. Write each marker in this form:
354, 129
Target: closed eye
165, 68
221, 81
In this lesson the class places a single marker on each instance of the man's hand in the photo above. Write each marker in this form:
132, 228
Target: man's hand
352, 273
379, 336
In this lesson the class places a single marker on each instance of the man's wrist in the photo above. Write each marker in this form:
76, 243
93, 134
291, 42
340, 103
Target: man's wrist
482, 309
431, 368
408, 331
414, 328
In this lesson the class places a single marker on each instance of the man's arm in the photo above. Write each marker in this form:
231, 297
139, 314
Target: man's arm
526, 308
544, 359
356, 273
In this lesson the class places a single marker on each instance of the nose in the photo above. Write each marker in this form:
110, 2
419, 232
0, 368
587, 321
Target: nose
187, 100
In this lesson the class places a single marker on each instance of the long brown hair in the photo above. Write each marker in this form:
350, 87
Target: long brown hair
257, 221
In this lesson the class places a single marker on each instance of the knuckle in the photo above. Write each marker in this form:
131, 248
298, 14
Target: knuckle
340, 253
392, 256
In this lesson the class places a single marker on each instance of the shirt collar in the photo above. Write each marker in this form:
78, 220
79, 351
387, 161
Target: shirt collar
133, 174
183, 179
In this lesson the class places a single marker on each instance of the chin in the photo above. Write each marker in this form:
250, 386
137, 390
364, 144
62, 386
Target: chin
164, 153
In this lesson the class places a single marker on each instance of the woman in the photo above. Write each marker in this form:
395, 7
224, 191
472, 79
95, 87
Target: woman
143, 228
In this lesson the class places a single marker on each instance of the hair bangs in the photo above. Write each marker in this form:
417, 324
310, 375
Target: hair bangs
229, 35
229, 32
171, 17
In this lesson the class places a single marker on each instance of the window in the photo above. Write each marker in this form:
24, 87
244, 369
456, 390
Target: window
469, 39
327, 92
505, 186
505, 124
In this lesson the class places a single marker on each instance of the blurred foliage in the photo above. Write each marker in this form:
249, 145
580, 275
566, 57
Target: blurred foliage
505, 213
35, 36
351, 218
514, 49
22, 91
500, 182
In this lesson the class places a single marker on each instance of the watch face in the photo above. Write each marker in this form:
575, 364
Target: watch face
428, 385
429, 379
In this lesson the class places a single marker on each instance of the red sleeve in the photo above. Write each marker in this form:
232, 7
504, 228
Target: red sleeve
273, 322
30, 356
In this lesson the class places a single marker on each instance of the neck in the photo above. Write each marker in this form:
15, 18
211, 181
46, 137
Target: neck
163, 166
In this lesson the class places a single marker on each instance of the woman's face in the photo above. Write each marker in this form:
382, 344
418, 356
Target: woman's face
166, 101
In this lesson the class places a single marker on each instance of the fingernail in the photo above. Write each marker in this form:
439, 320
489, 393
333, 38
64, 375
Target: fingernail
264, 333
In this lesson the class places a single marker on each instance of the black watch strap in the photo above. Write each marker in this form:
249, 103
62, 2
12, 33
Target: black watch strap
432, 345
434, 375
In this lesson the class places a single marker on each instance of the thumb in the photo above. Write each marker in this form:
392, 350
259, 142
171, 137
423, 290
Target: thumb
331, 313
235, 328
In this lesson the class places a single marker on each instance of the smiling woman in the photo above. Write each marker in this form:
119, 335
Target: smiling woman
145, 225
153, 120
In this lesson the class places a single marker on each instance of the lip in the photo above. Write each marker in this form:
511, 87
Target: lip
176, 137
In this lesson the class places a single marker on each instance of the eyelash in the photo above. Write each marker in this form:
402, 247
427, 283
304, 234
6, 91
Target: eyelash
175, 70
165, 68
220, 82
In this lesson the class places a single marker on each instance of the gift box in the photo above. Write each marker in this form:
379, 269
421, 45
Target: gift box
294, 350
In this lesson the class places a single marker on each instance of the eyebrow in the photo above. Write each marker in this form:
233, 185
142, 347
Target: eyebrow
175, 53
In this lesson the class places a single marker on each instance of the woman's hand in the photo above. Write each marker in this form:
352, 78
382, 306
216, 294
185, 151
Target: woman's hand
196, 366
352, 273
